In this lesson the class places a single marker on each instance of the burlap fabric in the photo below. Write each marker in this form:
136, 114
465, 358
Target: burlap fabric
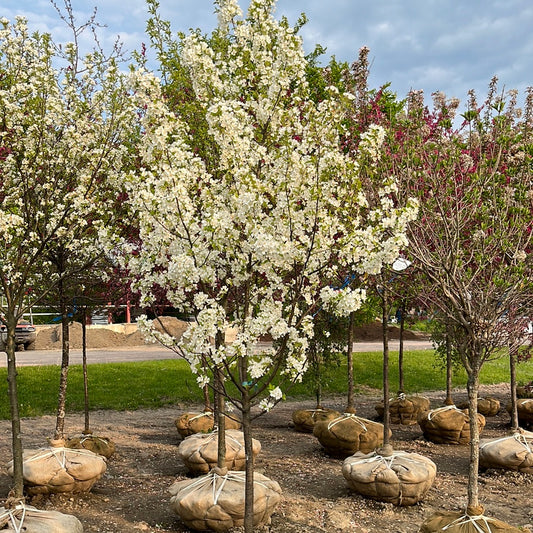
191, 423
27, 519
215, 502
488, 406
524, 406
405, 410
512, 452
401, 478
100, 445
525, 391
457, 522
348, 434
304, 419
56, 470
448, 425
199, 452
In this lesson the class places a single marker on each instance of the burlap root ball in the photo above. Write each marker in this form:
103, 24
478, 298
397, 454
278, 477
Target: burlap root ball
31, 520
459, 522
199, 452
94, 443
524, 406
405, 410
488, 406
525, 391
191, 423
512, 452
215, 502
304, 419
348, 434
401, 478
58, 469
448, 425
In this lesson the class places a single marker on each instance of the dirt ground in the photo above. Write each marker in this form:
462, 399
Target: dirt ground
132, 495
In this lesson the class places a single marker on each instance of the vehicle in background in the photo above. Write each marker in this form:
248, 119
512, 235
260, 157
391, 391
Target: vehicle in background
25, 335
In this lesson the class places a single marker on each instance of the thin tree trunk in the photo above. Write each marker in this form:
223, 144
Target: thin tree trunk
350, 403
87, 429
249, 468
449, 370
219, 418
514, 403
401, 385
18, 479
59, 434
473, 470
387, 448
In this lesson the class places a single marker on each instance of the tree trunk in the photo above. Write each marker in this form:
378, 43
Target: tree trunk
350, 403
401, 385
220, 419
449, 369
18, 479
87, 429
473, 469
514, 403
65, 353
387, 449
249, 469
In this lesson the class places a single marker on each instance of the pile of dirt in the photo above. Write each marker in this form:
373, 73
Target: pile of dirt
114, 335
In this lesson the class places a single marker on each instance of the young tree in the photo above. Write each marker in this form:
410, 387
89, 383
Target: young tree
473, 238
248, 234
60, 133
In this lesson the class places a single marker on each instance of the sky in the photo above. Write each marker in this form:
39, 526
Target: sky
431, 45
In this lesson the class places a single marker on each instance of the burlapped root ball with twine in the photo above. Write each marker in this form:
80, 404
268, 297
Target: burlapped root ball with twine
405, 410
199, 452
87, 441
31, 520
511, 452
400, 478
448, 425
471, 521
348, 434
305, 419
524, 406
60, 470
191, 423
215, 502
488, 406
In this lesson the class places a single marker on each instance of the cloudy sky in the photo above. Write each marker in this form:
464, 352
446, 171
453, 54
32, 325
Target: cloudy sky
433, 45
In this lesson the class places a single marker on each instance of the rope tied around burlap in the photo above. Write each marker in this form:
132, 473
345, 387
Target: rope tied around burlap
234, 444
196, 417
60, 454
347, 416
18, 514
521, 439
440, 410
386, 460
214, 477
468, 519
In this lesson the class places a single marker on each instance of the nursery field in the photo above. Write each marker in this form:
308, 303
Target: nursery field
132, 495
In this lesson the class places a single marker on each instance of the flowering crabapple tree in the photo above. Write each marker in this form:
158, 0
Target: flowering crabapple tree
60, 133
249, 239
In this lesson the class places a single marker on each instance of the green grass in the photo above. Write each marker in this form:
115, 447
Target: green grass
151, 384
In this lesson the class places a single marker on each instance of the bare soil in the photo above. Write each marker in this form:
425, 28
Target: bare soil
132, 495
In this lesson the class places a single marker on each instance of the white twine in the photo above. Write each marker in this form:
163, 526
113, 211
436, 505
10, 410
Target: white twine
199, 416
212, 479
521, 439
387, 460
465, 519
49, 452
347, 416
444, 409
214, 435
10, 515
